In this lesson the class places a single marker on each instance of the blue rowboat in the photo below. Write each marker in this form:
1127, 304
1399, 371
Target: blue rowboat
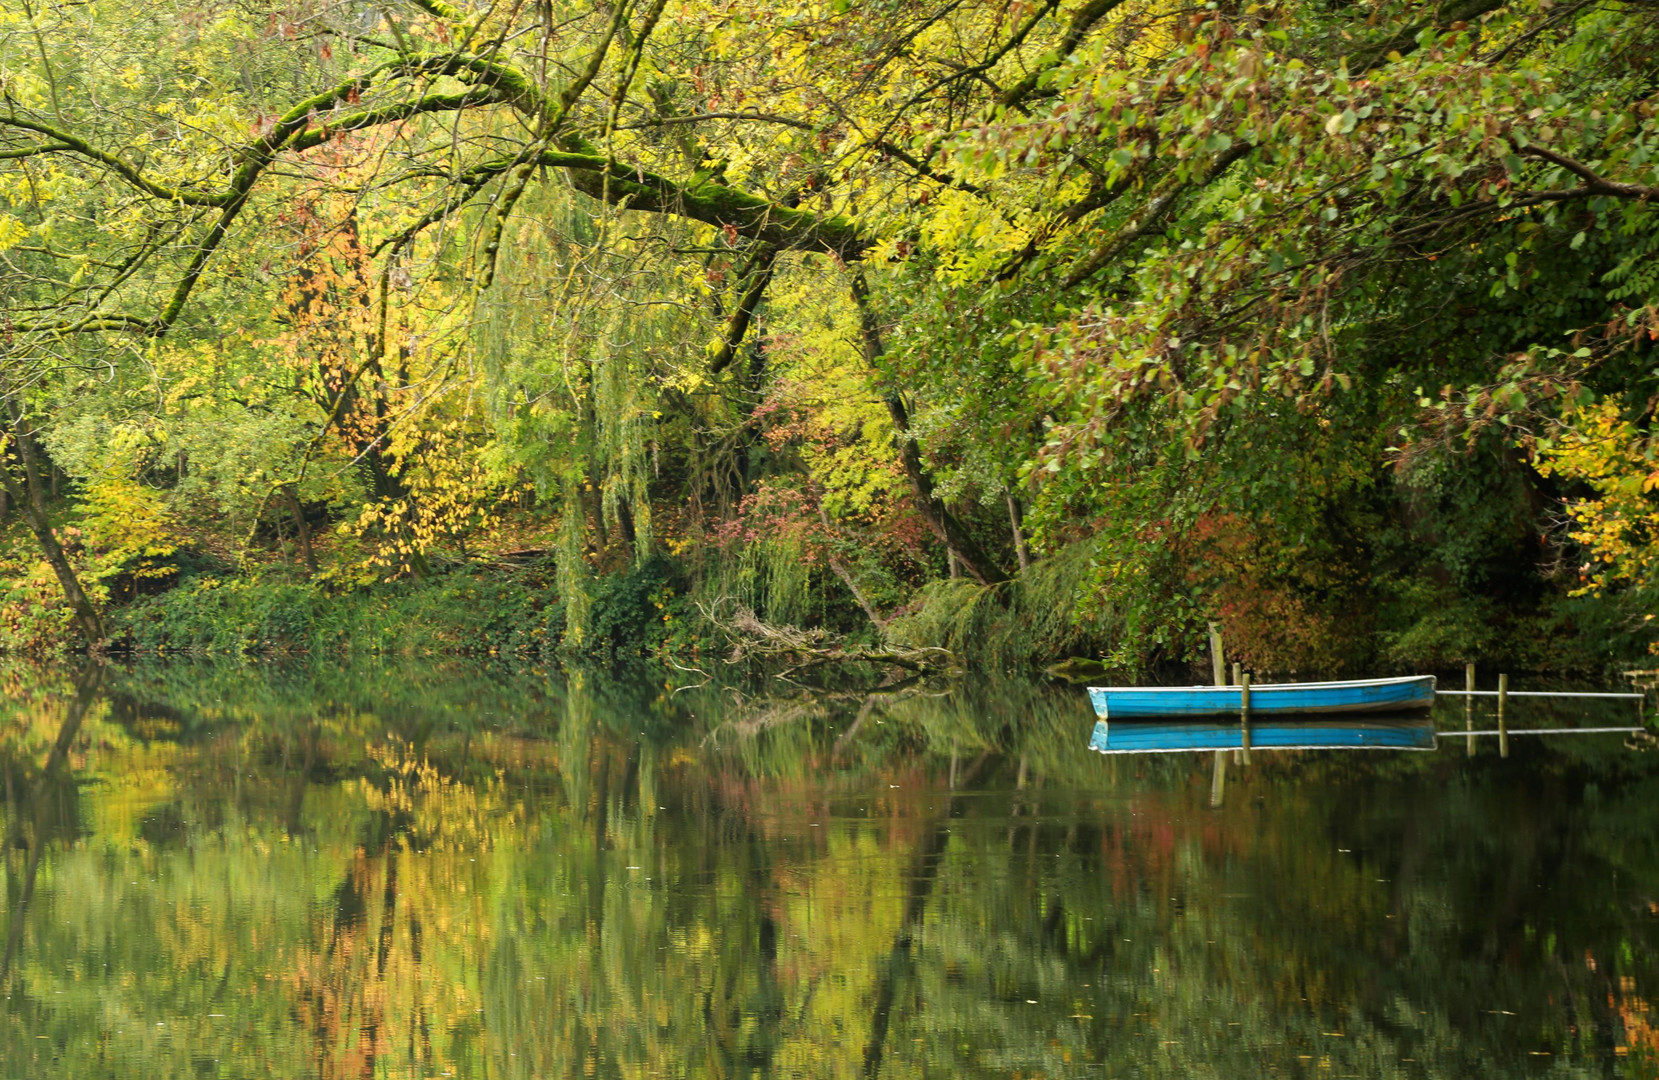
1269, 699
1173, 736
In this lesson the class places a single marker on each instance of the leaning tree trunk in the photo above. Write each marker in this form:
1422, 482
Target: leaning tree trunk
944, 524
303, 527
1021, 549
31, 500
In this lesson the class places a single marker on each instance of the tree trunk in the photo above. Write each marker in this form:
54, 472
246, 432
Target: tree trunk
840, 568
1020, 548
302, 527
926, 860
52, 773
944, 525
32, 501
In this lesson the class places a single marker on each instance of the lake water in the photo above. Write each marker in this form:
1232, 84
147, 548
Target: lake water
425, 872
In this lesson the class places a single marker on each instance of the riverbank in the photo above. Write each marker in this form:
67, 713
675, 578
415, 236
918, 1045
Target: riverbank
1029, 623
1077, 611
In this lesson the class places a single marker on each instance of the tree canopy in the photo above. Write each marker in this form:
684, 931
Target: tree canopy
1298, 315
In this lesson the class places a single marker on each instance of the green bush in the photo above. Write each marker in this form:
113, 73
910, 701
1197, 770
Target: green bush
631, 612
456, 614
1030, 620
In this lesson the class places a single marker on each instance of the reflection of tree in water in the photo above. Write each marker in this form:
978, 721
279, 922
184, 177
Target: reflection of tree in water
46, 812
369, 880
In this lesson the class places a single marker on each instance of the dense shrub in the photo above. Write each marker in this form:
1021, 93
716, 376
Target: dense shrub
459, 613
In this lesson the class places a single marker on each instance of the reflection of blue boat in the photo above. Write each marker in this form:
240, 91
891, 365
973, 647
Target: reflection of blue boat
1271, 699
1152, 736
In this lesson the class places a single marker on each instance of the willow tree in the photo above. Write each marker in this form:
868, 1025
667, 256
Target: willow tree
136, 187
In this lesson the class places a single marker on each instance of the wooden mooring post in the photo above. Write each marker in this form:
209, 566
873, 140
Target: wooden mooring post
1218, 668
1218, 661
1244, 716
1469, 704
1242, 754
1503, 726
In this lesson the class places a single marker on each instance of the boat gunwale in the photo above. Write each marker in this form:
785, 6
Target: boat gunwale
1257, 688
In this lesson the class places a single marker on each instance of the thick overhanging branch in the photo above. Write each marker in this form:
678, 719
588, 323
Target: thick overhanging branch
1594, 182
90, 324
878, 143
701, 199
294, 131
65, 142
392, 114
1151, 217
758, 219
316, 119
1082, 21
721, 352
1097, 198
31, 151
441, 10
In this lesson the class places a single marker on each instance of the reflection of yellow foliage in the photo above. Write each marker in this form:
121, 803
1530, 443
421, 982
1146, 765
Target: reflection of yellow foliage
445, 814
1636, 1014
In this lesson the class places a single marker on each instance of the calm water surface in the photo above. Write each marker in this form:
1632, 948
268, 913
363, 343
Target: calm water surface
400, 873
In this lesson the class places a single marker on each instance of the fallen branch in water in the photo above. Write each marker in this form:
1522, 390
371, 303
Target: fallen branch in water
754, 639
707, 678
749, 718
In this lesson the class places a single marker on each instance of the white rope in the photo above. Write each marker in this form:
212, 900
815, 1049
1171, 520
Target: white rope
1539, 693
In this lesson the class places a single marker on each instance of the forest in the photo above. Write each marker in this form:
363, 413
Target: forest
1031, 330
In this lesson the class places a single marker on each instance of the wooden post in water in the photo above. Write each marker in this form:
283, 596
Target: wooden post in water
1244, 715
1240, 754
1469, 704
1503, 727
1218, 668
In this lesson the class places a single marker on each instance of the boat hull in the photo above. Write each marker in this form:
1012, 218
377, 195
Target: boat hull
1270, 699
1175, 736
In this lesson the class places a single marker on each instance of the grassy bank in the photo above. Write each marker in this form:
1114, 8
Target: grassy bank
1063, 609
466, 612
460, 614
